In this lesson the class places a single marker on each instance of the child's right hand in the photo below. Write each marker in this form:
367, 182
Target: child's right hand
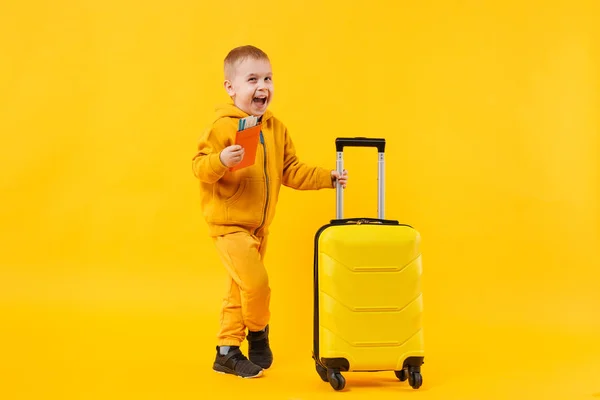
232, 155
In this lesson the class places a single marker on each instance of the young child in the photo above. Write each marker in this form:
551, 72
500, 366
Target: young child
239, 206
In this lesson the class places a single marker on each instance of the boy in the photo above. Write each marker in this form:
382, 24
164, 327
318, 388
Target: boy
239, 206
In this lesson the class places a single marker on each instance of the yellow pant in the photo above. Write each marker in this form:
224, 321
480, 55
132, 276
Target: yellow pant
246, 303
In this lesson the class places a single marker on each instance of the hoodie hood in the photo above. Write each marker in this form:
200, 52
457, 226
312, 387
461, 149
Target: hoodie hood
230, 110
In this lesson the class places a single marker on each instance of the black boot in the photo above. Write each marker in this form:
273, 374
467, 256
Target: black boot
258, 348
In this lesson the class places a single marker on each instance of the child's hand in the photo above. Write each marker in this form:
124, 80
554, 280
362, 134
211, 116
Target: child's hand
232, 155
343, 178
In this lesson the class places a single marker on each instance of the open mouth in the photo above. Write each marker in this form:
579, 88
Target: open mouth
260, 100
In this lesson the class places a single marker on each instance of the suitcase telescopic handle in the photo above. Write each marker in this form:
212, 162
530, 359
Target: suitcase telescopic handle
378, 143
340, 143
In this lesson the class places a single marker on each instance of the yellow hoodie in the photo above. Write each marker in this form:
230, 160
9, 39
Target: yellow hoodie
245, 200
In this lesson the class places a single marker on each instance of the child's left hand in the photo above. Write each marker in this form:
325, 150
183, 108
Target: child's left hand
343, 178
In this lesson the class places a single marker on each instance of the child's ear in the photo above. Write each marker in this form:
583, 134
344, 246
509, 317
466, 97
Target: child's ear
229, 88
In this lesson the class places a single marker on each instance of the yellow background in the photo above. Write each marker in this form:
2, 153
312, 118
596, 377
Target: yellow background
109, 287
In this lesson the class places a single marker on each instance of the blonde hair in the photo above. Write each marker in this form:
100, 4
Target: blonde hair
239, 54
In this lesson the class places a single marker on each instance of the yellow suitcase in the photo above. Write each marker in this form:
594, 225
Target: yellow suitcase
367, 291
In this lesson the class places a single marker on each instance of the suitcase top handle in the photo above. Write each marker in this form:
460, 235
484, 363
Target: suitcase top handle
379, 143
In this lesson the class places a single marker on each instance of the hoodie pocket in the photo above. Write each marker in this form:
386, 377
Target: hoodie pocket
246, 206
237, 194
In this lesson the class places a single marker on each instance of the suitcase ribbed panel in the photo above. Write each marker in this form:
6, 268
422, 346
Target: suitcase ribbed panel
369, 295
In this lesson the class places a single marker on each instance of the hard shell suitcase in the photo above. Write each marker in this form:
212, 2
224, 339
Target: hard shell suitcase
367, 290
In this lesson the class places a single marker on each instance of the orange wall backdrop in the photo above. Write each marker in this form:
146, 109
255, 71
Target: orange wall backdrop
490, 109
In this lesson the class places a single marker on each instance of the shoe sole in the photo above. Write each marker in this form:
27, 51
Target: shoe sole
224, 370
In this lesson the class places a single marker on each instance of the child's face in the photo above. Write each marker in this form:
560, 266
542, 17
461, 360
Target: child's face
251, 86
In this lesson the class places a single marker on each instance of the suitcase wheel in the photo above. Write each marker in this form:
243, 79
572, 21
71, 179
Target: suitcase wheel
322, 372
415, 379
336, 380
402, 375
333, 376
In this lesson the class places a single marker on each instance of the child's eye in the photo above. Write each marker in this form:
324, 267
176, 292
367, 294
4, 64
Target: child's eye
251, 79
267, 78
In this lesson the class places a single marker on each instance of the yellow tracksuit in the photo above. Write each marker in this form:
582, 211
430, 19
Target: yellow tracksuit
239, 207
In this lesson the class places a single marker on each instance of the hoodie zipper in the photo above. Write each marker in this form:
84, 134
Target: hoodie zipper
262, 141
